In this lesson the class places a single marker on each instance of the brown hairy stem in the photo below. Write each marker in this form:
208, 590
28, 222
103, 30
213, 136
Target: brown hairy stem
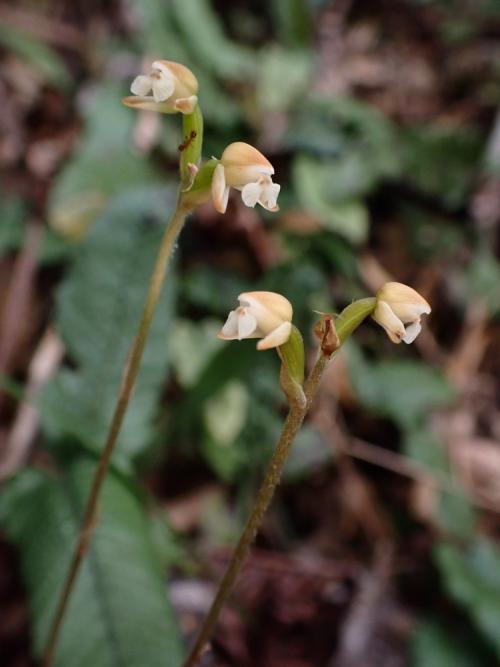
271, 480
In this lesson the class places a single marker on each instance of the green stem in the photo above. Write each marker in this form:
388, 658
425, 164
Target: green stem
128, 382
272, 477
192, 130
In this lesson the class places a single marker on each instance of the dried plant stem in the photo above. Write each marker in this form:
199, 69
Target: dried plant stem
291, 427
128, 382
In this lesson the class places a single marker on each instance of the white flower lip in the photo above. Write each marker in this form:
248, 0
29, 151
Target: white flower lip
398, 310
244, 168
169, 88
264, 315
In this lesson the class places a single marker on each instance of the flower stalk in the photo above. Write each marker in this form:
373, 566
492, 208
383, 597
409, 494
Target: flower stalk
271, 480
130, 373
350, 318
190, 148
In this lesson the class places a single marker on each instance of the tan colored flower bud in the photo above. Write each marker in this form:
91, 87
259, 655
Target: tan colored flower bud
398, 309
265, 315
326, 333
169, 88
244, 168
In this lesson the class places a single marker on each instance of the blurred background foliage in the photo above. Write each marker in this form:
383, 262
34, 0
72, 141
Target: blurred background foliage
382, 122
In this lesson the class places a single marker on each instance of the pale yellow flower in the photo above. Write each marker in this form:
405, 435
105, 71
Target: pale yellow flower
265, 315
244, 168
169, 88
398, 310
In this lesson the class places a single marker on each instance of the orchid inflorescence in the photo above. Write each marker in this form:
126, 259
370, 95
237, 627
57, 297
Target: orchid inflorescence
170, 88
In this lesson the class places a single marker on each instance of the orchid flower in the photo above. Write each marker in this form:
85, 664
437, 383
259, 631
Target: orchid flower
244, 168
168, 88
398, 310
264, 315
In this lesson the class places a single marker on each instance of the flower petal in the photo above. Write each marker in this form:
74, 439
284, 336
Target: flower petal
230, 329
220, 191
269, 308
163, 87
246, 325
251, 193
409, 312
141, 85
269, 196
277, 337
147, 103
186, 104
412, 332
406, 302
393, 326
240, 154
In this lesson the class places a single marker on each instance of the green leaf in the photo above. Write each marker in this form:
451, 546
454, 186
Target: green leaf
98, 309
212, 289
310, 453
293, 21
341, 127
118, 613
431, 236
225, 414
275, 66
192, 344
454, 514
441, 162
12, 225
42, 58
482, 279
433, 646
315, 187
208, 42
424, 446
403, 390
472, 578
102, 165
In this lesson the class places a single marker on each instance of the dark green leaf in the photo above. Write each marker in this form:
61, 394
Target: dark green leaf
41, 57
99, 307
118, 614
102, 165
433, 646
472, 578
403, 390
441, 162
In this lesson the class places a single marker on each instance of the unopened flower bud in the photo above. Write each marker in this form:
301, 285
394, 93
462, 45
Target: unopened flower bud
264, 315
169, 88
244, 168
326, 333
398, 309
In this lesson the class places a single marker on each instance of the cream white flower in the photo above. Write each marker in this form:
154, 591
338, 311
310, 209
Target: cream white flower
265, 315
244, 168
398, 309
169, 88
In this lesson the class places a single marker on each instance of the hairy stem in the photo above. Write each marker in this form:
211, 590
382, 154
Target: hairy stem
127, 386
272, 477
